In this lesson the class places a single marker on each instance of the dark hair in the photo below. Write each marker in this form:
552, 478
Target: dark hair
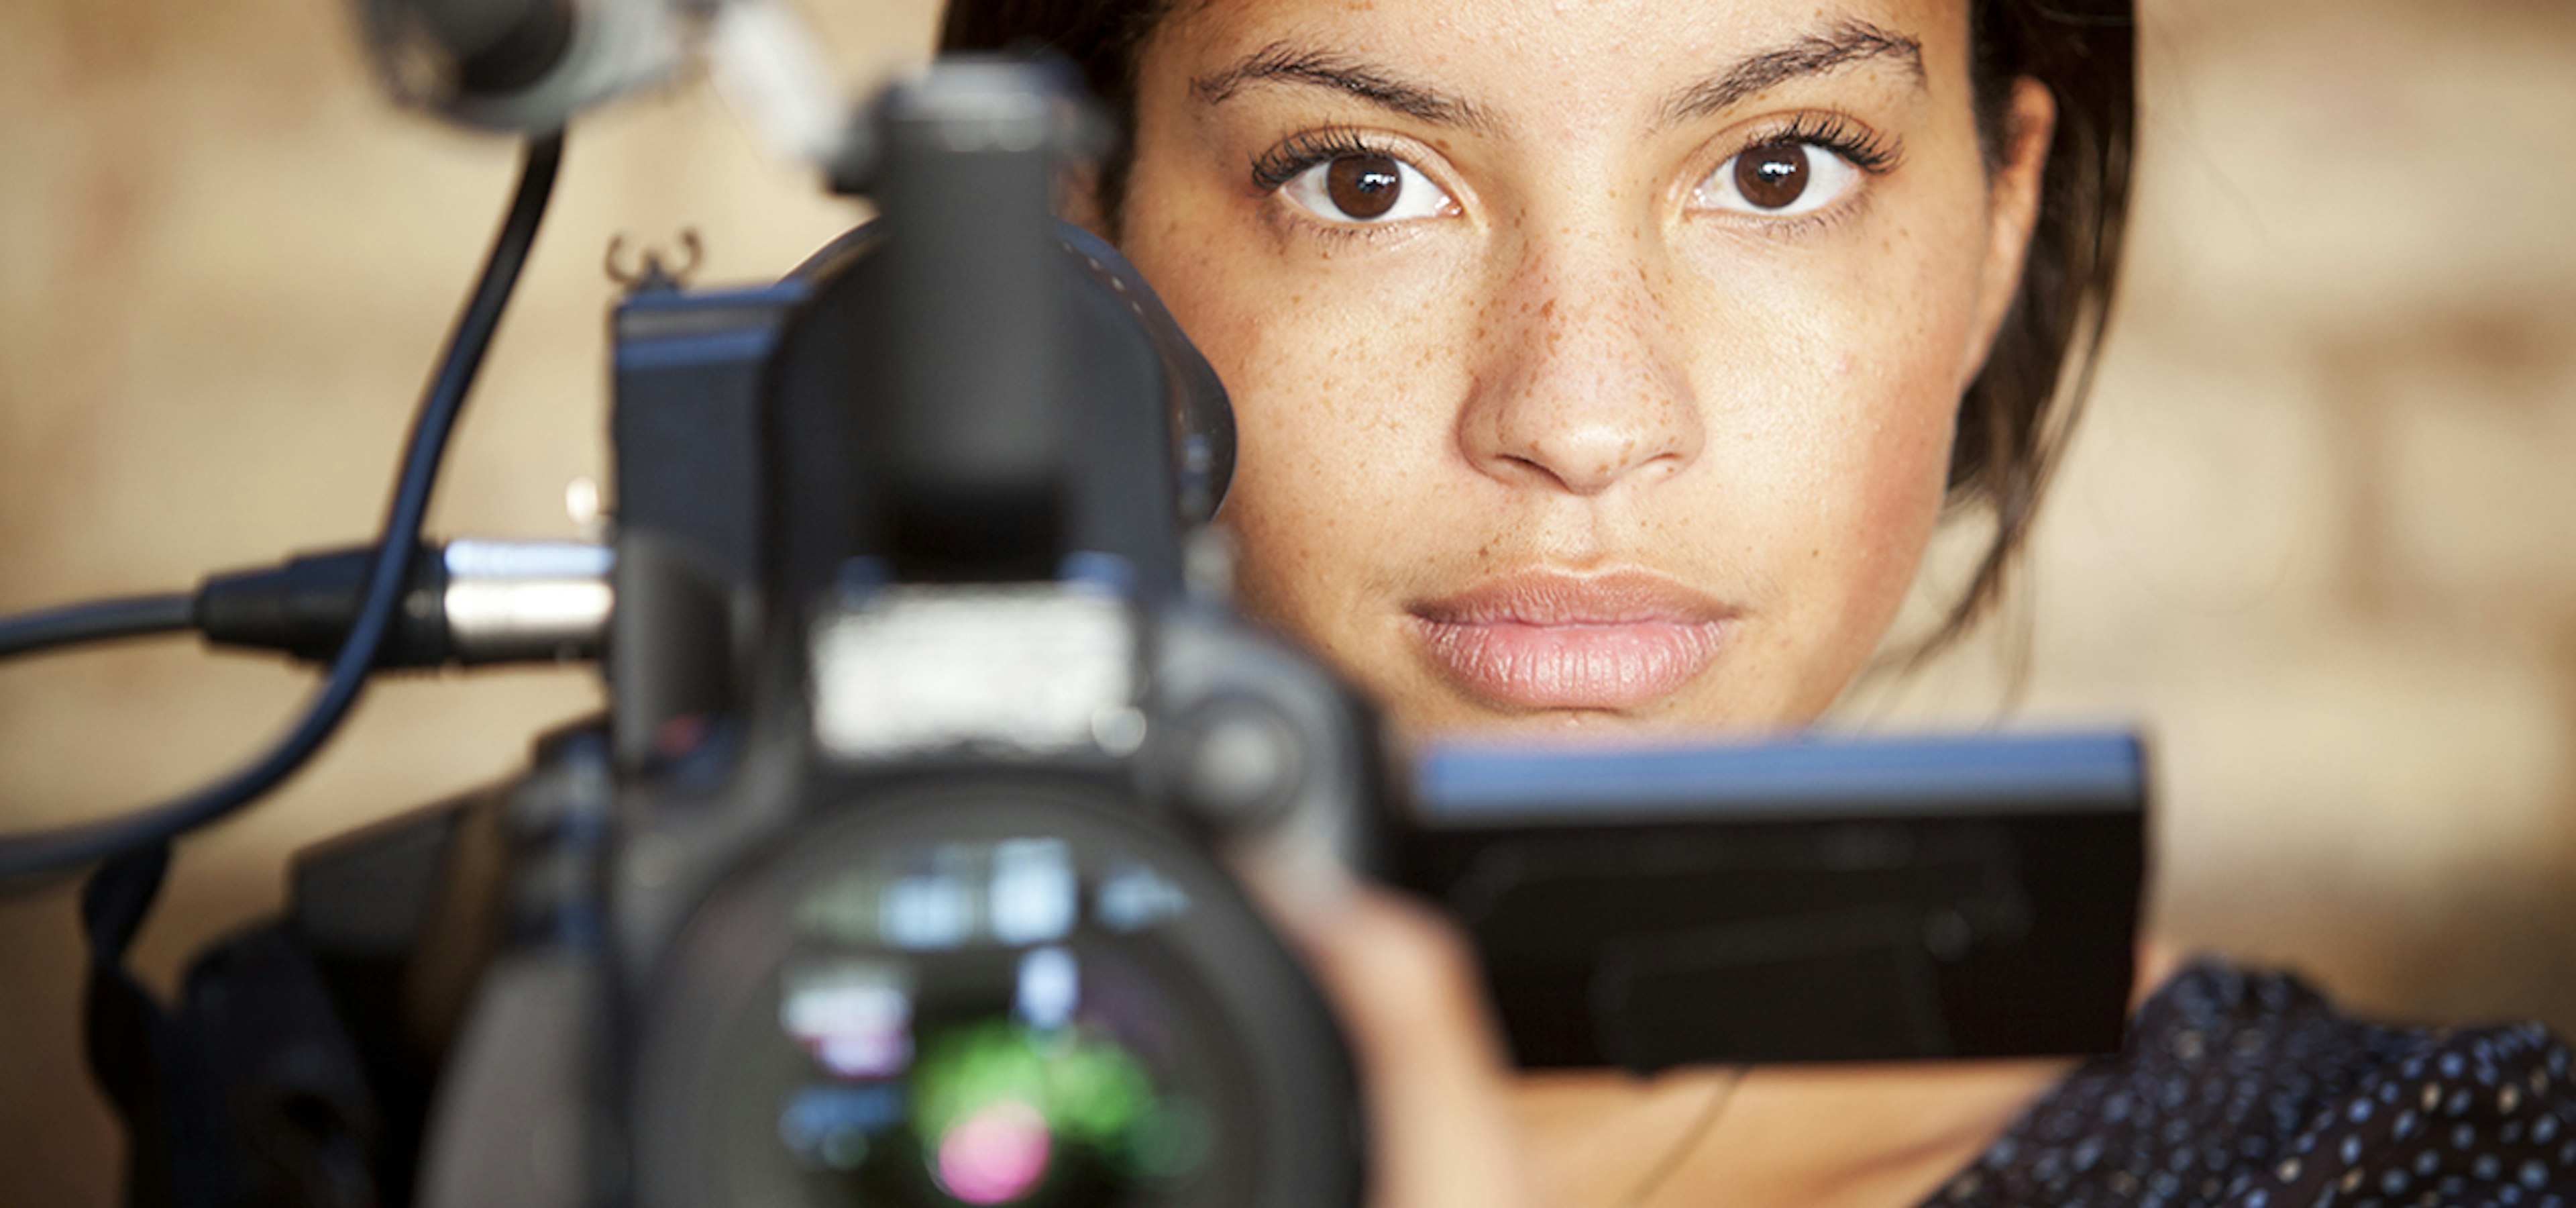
2014, 419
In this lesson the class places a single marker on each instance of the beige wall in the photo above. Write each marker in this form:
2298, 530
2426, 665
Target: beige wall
2320, 532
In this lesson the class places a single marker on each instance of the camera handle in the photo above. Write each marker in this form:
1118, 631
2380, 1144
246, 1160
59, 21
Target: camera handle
980, 466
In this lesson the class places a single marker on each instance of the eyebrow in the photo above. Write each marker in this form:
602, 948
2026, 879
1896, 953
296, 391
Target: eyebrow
1281, 62
1848, 42
1845, 43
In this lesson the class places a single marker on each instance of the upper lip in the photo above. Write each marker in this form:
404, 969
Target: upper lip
1548, 597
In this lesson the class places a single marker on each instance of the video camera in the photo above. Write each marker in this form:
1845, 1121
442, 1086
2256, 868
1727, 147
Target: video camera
903, 868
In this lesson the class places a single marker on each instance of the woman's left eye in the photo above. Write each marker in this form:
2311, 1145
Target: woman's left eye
1777, 180
1365, 189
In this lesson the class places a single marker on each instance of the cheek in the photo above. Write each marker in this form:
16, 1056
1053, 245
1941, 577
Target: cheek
1886, 420
1829, 387
1892, 482
1849, 329
1343, 397
1336, 443
1904, 380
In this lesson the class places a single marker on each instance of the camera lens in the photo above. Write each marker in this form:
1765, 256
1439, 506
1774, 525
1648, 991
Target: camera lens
966, 1042
984, 1000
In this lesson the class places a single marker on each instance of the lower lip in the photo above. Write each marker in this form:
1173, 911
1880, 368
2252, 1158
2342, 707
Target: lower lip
1596, 666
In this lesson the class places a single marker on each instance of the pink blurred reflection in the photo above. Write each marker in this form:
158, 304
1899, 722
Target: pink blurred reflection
996, 1154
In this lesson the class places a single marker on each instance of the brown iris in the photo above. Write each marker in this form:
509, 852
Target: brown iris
1773, 176
1363, 186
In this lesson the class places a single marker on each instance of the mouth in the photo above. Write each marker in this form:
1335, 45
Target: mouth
1551, 640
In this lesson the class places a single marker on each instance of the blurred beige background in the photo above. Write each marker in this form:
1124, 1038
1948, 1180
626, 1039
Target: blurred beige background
2319, 533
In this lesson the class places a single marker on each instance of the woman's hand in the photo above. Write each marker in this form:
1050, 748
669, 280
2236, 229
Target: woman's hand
1404, 985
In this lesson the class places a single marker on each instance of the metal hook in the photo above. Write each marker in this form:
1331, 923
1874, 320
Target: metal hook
651, 273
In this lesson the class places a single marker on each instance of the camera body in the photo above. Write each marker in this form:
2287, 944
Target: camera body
903, 869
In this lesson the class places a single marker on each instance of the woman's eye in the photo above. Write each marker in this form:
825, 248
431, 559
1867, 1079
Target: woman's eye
1777, 180
1370, 189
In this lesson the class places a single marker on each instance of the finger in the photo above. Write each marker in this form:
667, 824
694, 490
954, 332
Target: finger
1407, 991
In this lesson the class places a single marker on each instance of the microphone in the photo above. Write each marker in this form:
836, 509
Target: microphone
520, 65
527, 66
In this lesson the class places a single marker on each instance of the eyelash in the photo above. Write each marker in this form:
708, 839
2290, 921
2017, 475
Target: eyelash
1865, 149
1274, 168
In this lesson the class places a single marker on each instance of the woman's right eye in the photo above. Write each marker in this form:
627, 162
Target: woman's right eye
1366, 190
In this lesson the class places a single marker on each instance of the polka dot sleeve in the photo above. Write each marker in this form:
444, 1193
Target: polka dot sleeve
2242, 1090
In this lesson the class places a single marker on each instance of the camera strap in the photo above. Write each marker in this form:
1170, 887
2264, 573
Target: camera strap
126, 1032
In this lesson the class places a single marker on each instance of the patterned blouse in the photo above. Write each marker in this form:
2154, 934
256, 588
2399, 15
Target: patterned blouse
2248, 1090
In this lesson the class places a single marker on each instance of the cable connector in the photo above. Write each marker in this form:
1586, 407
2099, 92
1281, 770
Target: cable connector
526, 601
467, 603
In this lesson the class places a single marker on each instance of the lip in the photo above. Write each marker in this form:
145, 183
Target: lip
1553, 640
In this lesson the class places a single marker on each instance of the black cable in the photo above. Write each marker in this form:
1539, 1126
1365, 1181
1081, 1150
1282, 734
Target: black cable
27, 855
1671, 1163
96, 621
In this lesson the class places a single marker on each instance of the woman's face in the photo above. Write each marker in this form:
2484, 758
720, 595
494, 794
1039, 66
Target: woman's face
1595, 361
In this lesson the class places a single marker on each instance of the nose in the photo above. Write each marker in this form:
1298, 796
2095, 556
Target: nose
1579, 390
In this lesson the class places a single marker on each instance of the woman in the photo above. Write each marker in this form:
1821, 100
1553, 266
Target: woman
1604, 367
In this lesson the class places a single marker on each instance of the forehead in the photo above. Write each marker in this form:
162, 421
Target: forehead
1561, 57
